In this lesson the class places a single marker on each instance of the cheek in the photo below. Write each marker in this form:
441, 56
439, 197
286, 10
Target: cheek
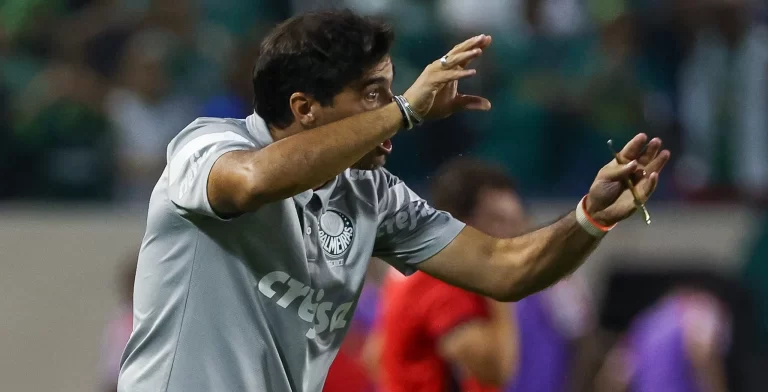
346, 105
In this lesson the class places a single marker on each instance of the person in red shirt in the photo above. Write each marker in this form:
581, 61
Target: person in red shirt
436, 337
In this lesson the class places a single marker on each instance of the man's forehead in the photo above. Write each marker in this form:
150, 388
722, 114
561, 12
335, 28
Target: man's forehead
383, 69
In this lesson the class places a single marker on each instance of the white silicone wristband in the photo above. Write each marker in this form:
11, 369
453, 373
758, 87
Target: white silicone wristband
587, 224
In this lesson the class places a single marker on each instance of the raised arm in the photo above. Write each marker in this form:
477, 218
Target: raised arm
511, 269
242, 181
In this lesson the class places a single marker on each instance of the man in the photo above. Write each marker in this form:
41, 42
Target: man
260, 230
429, 328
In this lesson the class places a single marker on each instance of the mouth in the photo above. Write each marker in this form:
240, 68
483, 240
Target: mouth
386, 146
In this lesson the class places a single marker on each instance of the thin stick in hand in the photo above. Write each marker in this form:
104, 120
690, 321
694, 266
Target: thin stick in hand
630, 184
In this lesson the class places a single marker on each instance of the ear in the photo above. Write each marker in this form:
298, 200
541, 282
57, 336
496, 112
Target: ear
302, 108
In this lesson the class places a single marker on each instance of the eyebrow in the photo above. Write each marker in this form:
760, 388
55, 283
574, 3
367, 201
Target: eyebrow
375, 80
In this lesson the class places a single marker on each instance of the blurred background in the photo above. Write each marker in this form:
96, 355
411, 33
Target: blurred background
91, 91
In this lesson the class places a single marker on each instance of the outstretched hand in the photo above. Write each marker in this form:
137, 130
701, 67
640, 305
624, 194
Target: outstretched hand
434, 95
610, 200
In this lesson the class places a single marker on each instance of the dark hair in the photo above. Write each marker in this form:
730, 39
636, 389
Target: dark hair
459, 183
317, 53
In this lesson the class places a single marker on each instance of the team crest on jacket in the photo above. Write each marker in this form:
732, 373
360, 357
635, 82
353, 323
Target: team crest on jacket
336, 233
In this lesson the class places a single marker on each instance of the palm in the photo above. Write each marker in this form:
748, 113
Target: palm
623, 203
443, 105
440, 99
610, 199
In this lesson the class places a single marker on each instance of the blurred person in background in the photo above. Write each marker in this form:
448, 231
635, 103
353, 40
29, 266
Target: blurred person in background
723, 101
199, 47
497, 17
437, 337
234, 101
59, 127
678, 344
611, 92
541, 343
120, 325
145, 114
559, 17
533, 71
350, 370
64, 135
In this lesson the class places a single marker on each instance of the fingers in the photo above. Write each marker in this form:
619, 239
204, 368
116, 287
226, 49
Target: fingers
651, 150
639, 175
617, 173
658, 163
480, 41
462, 58
634, 148
484, 43
472, 102
648, 186
450, 75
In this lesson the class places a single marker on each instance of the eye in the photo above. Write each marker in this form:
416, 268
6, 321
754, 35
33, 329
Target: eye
372, 96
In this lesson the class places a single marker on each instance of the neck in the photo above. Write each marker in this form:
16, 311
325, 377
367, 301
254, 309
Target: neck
282, 133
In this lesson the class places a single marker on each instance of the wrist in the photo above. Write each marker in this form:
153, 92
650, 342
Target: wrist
594, 213
585, 216
410, 117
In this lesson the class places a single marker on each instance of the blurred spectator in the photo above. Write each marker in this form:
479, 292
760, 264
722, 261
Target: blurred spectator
564, 17
436, 337
543, 342
611, 95
679, 344
465, 18
63, 135
508, 16
197, 51
557, 340
618, 81
235, 99
119, 327
145, 114
238, 17
723, 101
531, 82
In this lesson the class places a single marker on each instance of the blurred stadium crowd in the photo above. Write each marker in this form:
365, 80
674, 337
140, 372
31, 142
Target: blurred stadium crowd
91, 91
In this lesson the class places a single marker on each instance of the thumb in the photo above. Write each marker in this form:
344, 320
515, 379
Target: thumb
620, 172
472, 102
